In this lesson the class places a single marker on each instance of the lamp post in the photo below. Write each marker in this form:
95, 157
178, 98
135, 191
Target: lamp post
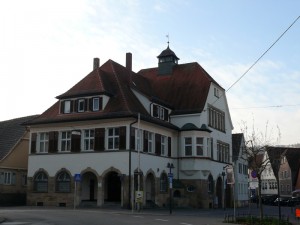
170, 176
223, 189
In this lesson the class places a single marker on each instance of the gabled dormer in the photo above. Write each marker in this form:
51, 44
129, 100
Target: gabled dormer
166, 60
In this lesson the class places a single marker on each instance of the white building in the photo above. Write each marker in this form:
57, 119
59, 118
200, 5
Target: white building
240, 170
115, 125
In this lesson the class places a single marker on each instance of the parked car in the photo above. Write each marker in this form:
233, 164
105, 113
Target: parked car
268, 199
283, 201
293, 201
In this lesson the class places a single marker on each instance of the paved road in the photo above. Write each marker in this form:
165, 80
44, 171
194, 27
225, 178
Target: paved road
97, 216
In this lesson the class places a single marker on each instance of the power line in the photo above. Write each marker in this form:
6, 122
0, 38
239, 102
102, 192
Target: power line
270, 106
263, 54
257, 59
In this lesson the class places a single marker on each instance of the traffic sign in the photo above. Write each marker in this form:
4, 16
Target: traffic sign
77, 177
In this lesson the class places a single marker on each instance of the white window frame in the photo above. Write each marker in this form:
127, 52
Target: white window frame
96, 104
7, 178
150, 142
188, 145
113, 138
65, 141
67, 106
43, 142
164, 145
199, 146
88, 139
80, 107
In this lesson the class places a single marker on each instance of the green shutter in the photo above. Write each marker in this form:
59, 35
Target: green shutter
33, 143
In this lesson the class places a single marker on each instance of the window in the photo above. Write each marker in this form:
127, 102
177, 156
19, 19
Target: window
67, 106
164, 144
24, 179
163, 183
138, 139
113, 138
149, 139
199, 146
88, 140
65, 141
216, 92
223, 152
159, 112
80, 105
188, 146
41, 182
96, 104
63, 182
240, 168
216, 118
44, 142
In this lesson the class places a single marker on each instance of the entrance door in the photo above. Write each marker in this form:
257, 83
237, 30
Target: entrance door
219, 191
113, 187
92, 189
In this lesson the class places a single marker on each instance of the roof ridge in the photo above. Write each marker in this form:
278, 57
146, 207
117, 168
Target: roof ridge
119, 86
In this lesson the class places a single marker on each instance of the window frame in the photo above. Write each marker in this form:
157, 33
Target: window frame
43, 142
41, 184
188, 146
199, 145
81, 105
113, 139
63, 182
88, 140
67, 106
67, 140
96, 99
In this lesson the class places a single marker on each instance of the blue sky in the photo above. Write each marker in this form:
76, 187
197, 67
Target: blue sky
48, 46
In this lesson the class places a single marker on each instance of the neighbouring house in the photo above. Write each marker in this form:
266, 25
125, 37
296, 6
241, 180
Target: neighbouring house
285, 163
132, 138
240, 161
268, 181
14, 147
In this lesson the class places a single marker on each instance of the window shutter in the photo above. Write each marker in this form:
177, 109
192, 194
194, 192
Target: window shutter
75, 142
157, 144
72, 106
122, 138
169, 146
33, 143
132, 138
1, 178
91, 102
86, 104
62, 106
13, 178
145, 149
99, 139
100, 103
76, 105
154, 112
53, 141
166, 115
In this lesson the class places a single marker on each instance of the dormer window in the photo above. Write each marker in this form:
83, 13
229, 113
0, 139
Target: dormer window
81, 105
160, 112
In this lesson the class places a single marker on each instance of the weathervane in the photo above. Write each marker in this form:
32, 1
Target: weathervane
168, 39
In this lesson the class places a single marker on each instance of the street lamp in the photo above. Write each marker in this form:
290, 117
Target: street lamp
223, 189
170, 176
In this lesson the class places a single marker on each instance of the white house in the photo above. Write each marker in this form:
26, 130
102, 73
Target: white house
240, 170
115, 131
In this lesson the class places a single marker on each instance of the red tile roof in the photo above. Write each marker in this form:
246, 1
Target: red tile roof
184, 91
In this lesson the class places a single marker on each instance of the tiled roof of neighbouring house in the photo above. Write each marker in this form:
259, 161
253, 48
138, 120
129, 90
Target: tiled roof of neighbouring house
10, 133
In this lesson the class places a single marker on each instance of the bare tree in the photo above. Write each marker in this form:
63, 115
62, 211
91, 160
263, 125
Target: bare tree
256, 144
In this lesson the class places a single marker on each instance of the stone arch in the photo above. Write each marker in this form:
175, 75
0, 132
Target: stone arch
89, 185
150, 183
219, 192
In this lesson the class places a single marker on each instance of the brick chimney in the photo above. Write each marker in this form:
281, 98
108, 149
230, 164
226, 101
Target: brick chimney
129, 61
96, 63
